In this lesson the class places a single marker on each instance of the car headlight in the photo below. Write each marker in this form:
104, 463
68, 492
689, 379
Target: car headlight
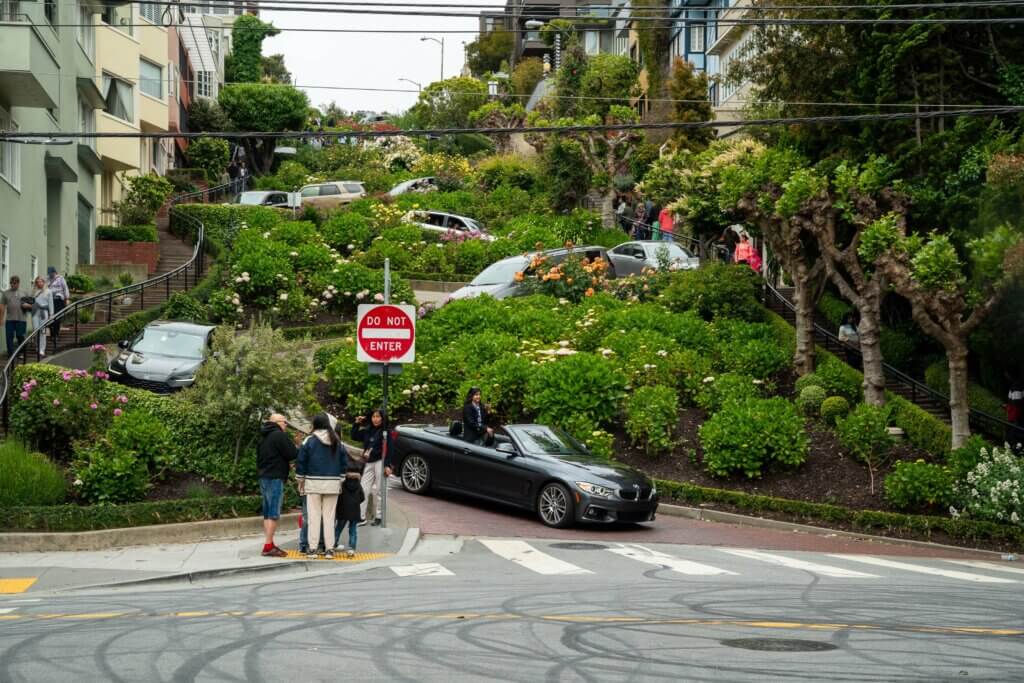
596, 490
181, 379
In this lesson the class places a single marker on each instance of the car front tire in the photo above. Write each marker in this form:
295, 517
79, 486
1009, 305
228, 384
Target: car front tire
415, 474
555, 506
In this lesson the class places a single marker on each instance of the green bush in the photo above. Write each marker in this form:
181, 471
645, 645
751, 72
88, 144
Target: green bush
835, 377
211, 155
78, 282
221, 222
127, 233
898, 347
994, 489
865, 434
922, 429
505, 383
715, 291
919, 486
651, 417
833, 308
936, 376
110, 475
810, 400
181, 306
508, 170
966, 458
716, 391
28, 478
583, 384
833, 409
748, 436
759, 358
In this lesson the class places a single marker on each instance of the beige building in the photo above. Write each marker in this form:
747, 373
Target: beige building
727, 44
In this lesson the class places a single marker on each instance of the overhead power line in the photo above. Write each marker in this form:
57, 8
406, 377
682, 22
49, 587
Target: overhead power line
671, 125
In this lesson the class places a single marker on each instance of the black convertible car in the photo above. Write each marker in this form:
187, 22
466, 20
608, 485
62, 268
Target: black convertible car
534, 467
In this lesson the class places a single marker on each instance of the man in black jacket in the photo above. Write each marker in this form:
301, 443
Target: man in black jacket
274, 456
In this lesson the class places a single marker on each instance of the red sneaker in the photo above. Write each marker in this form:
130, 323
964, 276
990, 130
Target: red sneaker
275, 552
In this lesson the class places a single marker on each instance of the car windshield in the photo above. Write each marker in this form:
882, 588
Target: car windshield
548, 440
170, 343
674, 250
251, 198
500, 273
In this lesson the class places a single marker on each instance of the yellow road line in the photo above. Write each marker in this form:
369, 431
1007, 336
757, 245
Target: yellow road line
16, 585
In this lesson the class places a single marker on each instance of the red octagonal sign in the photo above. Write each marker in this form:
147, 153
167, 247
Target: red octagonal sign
386, 334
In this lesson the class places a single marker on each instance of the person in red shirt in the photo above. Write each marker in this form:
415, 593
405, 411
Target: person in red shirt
666, 221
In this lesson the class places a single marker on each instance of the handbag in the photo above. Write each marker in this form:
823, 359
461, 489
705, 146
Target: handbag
28, 303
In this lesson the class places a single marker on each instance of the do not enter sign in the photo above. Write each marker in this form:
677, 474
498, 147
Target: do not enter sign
386, 334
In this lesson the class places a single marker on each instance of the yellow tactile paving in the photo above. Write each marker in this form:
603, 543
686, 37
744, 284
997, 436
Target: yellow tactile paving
339, 556
16, 585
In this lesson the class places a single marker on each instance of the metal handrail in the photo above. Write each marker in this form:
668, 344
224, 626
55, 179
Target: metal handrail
980, 419
195, 264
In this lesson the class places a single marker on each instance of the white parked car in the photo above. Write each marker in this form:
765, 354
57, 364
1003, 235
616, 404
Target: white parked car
445, 223
416, 185
499, 279
263, 198
630, 258
333, 194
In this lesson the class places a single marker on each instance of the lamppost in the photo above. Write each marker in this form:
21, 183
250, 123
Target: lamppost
418, 86
441, 43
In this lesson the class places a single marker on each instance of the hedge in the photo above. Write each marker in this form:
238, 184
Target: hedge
127, 233
319, 331
859, 520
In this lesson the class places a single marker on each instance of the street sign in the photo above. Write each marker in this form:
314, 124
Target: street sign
386, 333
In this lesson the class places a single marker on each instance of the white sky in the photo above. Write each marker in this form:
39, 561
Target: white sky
369, 60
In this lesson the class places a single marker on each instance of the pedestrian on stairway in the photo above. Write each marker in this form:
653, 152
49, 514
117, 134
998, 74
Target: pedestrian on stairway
376, 458
321, 462
14, 311
274, 456
350, 508
42, 310
61, 297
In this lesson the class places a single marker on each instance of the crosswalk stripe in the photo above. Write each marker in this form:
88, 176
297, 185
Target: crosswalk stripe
423, 569
528, 557
648, 556
922, 569
978, 564
7, 610
793, 563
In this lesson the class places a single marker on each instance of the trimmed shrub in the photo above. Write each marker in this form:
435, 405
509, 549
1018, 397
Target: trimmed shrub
994, 489
28, 478
919, 486
835, 377
181, 306
966, 458
78, 282
108, 474
834, 408
748, 436
583, 384
651, 417
760, 358
921, 428
127, 233
810, 400
719, 390
715, 291
865, 433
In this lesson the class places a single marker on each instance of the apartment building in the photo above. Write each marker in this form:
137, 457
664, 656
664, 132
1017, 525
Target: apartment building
207, 42
596, 23
726, 44
49, 84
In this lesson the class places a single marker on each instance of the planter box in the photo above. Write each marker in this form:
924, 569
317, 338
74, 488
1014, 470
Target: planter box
141, 253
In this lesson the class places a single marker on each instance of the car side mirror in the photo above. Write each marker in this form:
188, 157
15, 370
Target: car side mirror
508, 449
123, 344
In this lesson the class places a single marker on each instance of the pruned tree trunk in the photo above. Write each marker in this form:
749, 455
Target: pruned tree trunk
805, 301
959, 408
608, 209
869, 331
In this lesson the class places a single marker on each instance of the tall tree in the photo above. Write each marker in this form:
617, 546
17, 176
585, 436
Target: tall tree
489, 52
244, 64
498, 115
448, 103
525, 77
653, 38
274, 70
263, 107
207, 116
689, 92
608, 81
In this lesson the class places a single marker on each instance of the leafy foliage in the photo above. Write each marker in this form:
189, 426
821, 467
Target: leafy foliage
919, 486
994, 489
262, 107
209, 154
747, 436
810, 400
144, 197
715, 291
244, 64
488, 52
582, 384
28, 478
651, 416
834, 408
127, 233
448, 103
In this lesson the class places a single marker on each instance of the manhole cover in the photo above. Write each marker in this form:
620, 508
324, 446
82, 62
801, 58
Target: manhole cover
779, 644
579, 546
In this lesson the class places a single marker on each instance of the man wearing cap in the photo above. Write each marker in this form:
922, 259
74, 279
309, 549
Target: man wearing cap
61, 295
274, 456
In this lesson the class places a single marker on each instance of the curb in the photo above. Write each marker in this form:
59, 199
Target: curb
706, 515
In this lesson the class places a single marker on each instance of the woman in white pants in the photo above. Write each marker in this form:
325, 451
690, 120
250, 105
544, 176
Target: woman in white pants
377, 459
42, 310
319, 467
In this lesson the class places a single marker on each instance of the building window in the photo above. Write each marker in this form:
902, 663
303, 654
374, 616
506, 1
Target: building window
86, 123
204, 84
221, 7
151, 79
696, 37
10, 153
118, 97
86, 30
151, 12
50, 11
35, 268
119, 18
5, 259
592, 42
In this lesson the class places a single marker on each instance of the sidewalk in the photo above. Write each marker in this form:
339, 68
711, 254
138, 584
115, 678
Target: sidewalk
50, 571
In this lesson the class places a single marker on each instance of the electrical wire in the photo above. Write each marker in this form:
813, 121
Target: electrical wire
670, 125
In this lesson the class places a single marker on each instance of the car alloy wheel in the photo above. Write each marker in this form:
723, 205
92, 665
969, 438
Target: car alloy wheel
415, 474
555, 506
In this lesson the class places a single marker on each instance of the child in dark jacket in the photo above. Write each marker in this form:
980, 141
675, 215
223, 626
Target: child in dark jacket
352, 497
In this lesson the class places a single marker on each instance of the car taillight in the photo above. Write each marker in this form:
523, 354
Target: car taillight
394, 434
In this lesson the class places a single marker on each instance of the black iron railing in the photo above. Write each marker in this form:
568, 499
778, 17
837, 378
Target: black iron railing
191, 269
919, 392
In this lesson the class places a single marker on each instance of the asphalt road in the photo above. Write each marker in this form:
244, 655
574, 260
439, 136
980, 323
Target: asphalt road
463, 609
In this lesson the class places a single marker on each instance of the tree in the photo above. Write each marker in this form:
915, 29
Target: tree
525, 77
566, 175
608, 81
263, 107
244, 63
569, 78
946, 303
206, 116
497, 115
211, 155
273, 70
689, 90
653, 40
489, 52
247, 377
448, 103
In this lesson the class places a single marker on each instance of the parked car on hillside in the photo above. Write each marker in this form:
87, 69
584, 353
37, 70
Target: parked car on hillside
416, 185
445, 223
263, 198
164, 357
498, 279
630, 258
333, 194
531, 466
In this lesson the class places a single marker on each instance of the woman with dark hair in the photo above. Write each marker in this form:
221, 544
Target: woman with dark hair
376, 459
475, 418
319, 468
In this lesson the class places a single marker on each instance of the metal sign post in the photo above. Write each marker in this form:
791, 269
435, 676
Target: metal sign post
387, 429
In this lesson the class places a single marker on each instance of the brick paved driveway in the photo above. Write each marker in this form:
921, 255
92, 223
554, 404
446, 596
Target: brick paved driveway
455, 515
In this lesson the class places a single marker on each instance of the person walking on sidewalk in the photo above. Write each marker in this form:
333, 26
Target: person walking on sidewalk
274, 456
350, 510
42, 310
61, 297
14, 311
377, 459
321, 461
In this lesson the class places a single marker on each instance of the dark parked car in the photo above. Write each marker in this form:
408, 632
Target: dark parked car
164, 357
534, 467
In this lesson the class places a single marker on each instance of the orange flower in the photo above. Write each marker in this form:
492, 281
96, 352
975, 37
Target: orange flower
568, 280
555, 275
568, 244
518, 277
590, 291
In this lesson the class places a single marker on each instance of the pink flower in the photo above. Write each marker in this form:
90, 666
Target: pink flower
66, 376
122, 398
24, 396
93, 406
56, 401
96, 348
117, 412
